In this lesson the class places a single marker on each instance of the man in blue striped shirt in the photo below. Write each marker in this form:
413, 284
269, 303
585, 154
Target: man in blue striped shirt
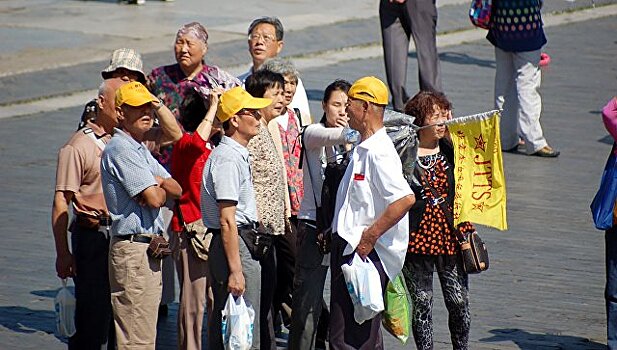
136, 186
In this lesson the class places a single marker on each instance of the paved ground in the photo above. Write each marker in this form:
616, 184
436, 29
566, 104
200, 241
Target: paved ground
545, 286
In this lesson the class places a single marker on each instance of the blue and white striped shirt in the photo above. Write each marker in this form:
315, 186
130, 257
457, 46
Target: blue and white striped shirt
127, 169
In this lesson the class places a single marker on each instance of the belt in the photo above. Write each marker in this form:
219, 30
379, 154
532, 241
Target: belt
92, 223
138, 237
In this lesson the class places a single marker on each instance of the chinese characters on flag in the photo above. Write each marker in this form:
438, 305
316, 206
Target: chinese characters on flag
480, 195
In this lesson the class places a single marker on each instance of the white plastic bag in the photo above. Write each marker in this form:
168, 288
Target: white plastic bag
364, 286
65, 311
238, 321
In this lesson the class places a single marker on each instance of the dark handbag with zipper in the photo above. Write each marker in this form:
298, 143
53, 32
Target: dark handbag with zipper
257, 241
473, 250
159, 247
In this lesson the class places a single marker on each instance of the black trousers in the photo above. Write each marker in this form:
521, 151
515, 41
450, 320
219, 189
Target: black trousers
345, 332
277, 276
93, 313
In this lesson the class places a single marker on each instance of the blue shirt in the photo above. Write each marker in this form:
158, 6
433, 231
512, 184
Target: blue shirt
227, 177
127, 169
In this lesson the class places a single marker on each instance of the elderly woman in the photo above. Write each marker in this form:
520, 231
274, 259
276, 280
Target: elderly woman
286, 129
171, 84
432, 243
269, 186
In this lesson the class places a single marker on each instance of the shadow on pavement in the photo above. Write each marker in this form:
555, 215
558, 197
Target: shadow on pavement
460, 58
537, 341
23, 320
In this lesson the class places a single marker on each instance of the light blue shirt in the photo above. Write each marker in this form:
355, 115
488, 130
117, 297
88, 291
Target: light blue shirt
227, 177
127, 169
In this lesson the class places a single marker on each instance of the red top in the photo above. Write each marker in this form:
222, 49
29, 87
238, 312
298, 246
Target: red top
188, 159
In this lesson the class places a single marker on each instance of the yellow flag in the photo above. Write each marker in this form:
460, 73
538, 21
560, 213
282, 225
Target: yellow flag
480, 195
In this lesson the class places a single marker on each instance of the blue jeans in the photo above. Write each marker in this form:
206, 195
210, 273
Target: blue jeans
610, 294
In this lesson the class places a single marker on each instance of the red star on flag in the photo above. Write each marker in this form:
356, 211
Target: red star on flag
480, 143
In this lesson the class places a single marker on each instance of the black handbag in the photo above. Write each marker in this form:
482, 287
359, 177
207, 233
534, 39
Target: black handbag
473, 250
257, 241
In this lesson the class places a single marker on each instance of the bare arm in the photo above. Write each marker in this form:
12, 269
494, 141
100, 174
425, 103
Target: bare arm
169, 127
393, 214
156, 196
204, 128
229, 235
65, 263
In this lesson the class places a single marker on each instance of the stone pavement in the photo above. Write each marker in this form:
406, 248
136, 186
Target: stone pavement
545, 286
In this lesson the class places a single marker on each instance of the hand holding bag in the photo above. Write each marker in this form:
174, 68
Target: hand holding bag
364, 287
64, 304
237, 324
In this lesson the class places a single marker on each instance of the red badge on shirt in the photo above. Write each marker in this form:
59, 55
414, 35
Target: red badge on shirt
358, 177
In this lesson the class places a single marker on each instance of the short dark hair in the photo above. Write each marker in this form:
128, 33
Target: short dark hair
278, 26
257, 83
226, 125
422, 105
192, 110
337, 85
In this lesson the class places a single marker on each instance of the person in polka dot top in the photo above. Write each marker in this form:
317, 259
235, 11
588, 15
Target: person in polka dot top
517, 34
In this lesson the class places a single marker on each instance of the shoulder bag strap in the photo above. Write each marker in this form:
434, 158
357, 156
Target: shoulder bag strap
179, 212
90, 133
308, 164
441, 201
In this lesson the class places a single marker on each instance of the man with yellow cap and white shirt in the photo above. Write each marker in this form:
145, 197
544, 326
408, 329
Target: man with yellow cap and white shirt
370, 217
136, 186
228, 207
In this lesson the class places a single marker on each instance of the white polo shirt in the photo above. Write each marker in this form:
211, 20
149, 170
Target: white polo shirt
373, 180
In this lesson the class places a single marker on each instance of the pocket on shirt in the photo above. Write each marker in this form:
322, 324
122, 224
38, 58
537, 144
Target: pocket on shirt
360, 193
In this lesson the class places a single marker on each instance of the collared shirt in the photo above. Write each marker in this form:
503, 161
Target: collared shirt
79, 170
127, 169
373, 180
227, 177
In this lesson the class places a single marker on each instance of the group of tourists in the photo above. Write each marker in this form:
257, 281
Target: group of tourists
233, 171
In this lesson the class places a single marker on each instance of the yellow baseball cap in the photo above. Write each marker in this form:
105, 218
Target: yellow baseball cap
134, 94
369, 89
233, 100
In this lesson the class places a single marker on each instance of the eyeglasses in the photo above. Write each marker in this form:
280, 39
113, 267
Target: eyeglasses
252, 112
267, 38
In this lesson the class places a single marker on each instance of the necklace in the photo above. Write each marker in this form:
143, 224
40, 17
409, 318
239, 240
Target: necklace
432, 160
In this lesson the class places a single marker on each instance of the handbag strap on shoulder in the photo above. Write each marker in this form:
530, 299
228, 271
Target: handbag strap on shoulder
443, 204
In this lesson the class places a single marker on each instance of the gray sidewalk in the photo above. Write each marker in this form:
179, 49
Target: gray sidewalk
545, 286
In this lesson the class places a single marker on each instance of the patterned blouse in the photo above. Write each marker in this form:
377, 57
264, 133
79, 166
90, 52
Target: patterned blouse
290, 139
268, 182
516, 25
434, 236
169, 83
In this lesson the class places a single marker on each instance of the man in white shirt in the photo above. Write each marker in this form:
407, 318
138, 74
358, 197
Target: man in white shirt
266, 41
370, 218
